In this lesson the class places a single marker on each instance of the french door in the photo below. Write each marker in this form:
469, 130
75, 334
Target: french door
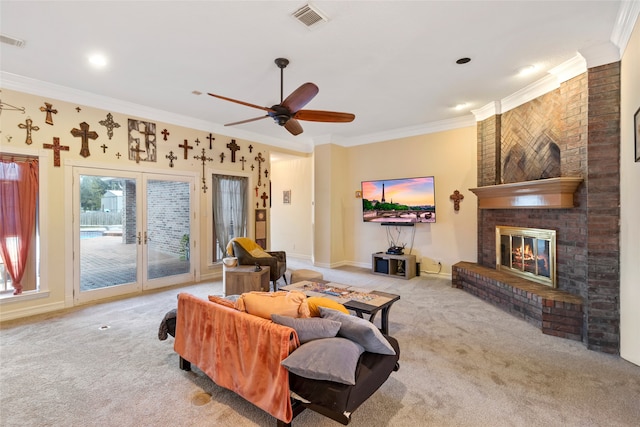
132, 232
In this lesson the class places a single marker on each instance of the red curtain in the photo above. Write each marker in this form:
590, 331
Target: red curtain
18, 196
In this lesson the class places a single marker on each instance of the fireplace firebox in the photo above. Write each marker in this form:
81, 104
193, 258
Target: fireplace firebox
528, 253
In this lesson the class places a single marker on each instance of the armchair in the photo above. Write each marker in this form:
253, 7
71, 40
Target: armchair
250, 253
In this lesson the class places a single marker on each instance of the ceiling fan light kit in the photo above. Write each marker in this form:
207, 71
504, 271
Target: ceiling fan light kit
289, 111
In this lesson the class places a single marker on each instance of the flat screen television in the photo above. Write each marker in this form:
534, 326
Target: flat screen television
405, 201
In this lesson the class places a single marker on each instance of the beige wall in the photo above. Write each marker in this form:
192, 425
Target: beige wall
449, 156
56, 253
630, 204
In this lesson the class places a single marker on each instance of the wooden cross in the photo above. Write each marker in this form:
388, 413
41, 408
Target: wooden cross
171, 158
243, 160
186, 147
233, 147
104, 148
260, 159
204, 159
221, 157
47, 107
264, 198
137, 150
456, 197
251, 148
109, 124
56, 147
85, 134
210, 138
165, 133
29, 127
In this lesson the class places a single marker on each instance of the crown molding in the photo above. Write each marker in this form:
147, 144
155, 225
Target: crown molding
569, 69
67, 94
491, 109
628, 15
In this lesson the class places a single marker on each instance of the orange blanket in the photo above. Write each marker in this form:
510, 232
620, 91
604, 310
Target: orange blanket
237, 351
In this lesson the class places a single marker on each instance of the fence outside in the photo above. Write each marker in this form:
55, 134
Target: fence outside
99, 218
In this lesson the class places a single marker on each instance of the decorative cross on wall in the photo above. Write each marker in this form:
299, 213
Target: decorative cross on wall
104, 148
456, 197
186, 147
137, 150
264, 198
109, 124
210, 138
171, 158
85, 134
260, 159
47, 108
221, 157
56, 147
243, 160
29, 127
233, 147
204, 160
165, 134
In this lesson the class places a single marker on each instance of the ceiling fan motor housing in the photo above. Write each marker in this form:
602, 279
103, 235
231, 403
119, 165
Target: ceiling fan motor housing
280, 114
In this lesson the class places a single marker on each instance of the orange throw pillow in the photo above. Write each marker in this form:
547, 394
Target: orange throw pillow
316, 302
222, 301
264, 304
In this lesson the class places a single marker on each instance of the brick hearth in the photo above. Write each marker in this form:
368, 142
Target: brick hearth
555, 312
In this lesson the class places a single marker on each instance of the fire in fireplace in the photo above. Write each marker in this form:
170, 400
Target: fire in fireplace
527, 252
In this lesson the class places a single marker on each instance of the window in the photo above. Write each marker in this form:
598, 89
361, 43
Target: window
229, 197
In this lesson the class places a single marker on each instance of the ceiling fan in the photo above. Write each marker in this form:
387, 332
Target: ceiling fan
289, 111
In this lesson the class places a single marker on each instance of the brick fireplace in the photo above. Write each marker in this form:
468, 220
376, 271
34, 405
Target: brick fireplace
572, 131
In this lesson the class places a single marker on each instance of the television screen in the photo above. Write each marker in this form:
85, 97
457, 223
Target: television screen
404, 201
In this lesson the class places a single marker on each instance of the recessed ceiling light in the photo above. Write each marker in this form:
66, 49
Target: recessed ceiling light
461, 106
463, 61
98, 60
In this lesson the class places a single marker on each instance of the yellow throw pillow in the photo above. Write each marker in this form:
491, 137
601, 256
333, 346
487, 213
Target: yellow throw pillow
315, 303
264, 304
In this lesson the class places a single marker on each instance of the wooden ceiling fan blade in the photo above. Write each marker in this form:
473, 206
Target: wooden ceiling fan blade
300, 97
324, 116
247, 120
242, 102
293, 126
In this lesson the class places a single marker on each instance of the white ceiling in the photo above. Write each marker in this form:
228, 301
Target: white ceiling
391, 63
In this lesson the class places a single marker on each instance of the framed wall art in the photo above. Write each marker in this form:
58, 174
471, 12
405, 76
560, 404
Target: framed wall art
636, 133
286, 197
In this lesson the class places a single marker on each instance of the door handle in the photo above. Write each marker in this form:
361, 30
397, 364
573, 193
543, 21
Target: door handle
146, 238
139, 238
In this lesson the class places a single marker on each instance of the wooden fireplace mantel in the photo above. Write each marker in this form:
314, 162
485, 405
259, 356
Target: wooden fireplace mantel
550, 193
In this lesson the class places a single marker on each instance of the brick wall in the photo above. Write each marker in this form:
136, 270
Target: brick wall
583, 120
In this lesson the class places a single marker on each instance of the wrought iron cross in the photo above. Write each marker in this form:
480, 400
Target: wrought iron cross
109, 124
56, 147
85, 134
204, 160
171, 158
243, 160
210, 138
260, 159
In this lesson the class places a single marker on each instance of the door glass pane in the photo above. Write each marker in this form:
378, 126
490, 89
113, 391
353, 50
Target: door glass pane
108, 239
168, 228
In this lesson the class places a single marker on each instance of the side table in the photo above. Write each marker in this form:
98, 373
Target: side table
244, 278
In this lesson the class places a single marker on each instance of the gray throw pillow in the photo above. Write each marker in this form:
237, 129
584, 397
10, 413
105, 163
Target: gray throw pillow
308, 329
359, 330
330, 359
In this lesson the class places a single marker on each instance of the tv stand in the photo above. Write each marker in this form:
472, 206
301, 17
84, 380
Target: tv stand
402, 266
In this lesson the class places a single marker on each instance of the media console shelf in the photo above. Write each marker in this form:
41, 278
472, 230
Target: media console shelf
402, 266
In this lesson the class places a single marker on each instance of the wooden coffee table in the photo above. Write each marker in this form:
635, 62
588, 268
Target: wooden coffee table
361, 301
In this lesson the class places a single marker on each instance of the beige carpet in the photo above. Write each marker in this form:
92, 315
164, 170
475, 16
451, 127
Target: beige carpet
463, 363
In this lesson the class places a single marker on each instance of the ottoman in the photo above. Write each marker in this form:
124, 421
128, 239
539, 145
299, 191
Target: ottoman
304, 274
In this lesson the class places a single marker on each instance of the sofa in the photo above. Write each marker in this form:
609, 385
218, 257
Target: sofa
257, 358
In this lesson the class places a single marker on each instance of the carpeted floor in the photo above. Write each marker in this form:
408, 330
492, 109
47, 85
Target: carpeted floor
463, 363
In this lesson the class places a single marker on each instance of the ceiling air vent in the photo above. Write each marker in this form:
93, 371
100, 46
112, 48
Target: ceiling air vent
11, 40
309, 16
